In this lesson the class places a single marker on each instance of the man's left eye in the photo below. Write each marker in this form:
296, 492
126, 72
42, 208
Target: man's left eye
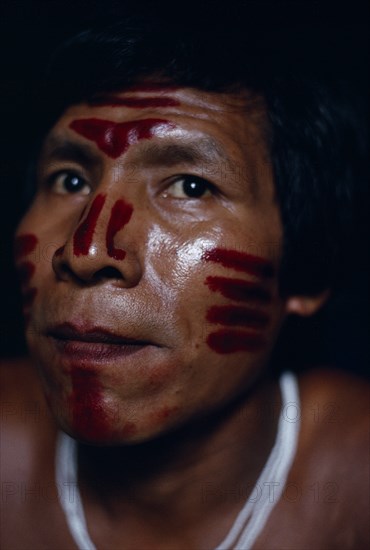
65, 182
189, 187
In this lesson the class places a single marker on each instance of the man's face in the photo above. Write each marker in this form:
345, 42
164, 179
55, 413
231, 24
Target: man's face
149, 260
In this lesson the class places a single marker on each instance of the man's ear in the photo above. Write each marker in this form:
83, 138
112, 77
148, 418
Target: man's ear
306, 305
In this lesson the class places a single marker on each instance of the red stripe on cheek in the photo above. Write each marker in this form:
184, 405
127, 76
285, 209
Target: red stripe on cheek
114, 138
83, 236
25, 272
240, 261
29, 297
24, 244
231, 341
237, 289
120, 216
233, 315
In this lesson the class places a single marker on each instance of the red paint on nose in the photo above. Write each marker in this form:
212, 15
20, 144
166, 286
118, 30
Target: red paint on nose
90, 419
83, 236
114, 138
231, 341
120, 216
240, 261
24, 245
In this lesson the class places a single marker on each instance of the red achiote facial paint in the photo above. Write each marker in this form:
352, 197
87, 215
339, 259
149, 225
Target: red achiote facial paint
120, 216
114, 138
237, 316
237, 289
83, 236
24, 245
89, 417
226, 341
240, 261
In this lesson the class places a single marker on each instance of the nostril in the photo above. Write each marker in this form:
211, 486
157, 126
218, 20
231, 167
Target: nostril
108, 272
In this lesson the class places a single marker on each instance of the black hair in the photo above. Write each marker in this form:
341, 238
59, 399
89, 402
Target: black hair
315, 139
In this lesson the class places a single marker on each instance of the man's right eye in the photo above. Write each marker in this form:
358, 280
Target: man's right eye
64, 183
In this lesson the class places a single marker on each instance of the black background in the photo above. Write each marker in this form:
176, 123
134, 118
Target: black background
30, 30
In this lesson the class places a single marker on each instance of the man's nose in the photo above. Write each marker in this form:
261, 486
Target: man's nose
101, 246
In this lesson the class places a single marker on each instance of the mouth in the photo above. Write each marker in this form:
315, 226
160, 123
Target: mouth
93, 344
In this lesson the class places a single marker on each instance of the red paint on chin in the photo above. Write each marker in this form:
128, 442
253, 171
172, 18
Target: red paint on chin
235, 315
114, 138
231, 341
89, 416
83, 236
237, 289
120, 216
134, 102
24, 245
128, 429
240, 261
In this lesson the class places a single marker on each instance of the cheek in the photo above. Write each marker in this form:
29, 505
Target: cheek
241, 325
25, 246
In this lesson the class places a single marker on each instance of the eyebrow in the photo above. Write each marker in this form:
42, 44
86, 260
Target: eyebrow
204, 150
62, 149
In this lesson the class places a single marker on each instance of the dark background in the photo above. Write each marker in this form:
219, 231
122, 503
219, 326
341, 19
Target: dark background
31, 29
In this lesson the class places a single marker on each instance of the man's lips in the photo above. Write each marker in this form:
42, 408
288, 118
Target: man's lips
93, 343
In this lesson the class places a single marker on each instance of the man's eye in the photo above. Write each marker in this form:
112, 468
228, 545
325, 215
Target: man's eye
68, 182
189, 187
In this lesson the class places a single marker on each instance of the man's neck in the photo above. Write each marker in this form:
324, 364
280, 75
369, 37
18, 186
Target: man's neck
214, 461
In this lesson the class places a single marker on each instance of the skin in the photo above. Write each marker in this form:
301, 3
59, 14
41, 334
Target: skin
171, 417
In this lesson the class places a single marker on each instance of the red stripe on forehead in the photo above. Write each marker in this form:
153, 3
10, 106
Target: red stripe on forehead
134, 102
114, 138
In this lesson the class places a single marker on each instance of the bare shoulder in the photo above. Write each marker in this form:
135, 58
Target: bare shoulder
336, 403
26, 426
335, 444
27, 434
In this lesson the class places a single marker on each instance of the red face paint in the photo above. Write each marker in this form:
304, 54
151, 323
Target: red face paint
29, 296
240, 261
231, 341
114, 138
134, 102
120, 216
89, 417
235, 315
24, 245
83, 236
128, 429
25, 271
237, 289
